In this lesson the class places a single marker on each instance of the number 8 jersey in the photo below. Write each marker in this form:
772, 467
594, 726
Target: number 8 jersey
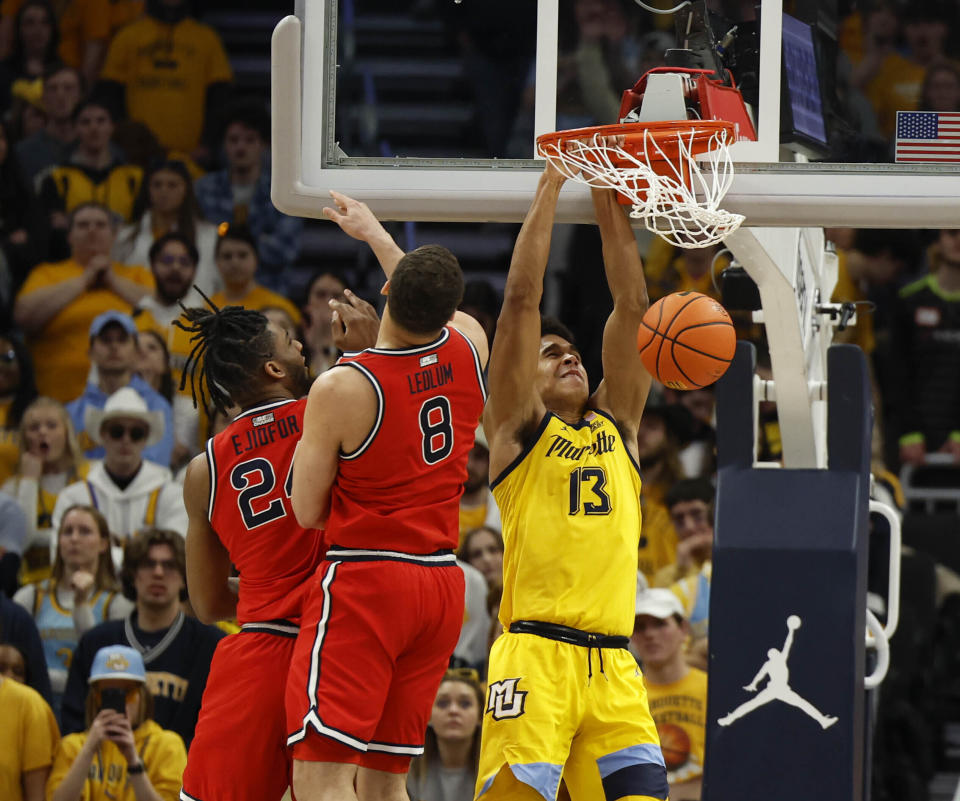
249, 508
570, 506
400, 490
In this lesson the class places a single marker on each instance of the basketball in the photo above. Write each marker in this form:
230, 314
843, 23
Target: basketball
686, 340
675, 745
793, 622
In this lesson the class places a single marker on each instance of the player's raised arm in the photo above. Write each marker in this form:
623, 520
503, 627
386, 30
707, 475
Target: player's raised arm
208, 562
512, 400
626, 383
356, 220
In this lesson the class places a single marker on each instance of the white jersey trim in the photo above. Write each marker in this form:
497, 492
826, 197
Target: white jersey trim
380, 409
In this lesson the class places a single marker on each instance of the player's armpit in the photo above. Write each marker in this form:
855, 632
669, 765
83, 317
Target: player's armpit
341, 410
208, 562
472, 330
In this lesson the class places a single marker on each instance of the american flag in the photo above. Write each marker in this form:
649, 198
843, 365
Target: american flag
926, 136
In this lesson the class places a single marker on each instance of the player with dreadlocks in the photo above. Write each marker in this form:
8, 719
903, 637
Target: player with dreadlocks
237, 496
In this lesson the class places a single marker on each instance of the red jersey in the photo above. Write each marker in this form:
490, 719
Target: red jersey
250, 482
400, 490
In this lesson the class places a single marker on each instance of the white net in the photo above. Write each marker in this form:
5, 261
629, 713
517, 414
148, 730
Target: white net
683, 205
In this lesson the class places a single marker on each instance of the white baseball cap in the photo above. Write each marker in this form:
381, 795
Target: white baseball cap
658, 603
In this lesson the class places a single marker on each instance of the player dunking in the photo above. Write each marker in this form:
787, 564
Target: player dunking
565, 696
381, 466
237, 497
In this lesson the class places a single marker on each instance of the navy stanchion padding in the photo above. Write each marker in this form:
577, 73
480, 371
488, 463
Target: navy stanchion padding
787, 604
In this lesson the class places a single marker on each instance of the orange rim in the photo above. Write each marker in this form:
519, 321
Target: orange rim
664, 134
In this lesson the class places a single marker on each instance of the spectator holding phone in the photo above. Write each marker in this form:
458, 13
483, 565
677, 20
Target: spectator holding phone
123, 755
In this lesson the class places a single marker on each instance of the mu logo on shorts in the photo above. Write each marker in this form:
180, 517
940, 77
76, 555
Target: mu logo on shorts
505, 700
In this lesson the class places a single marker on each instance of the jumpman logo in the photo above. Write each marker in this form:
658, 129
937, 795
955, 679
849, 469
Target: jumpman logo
778, 685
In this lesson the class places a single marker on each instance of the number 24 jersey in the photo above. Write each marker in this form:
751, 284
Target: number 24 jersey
250, 484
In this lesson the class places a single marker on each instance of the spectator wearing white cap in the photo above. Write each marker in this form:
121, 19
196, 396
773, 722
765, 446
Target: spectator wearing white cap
123, 755
113, 352
131, 492
676, 692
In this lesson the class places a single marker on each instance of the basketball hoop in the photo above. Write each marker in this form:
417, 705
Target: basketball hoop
653, 167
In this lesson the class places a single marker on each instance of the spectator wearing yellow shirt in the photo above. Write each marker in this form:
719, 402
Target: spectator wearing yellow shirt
893, 81
171, 71
59, 301
123, 755
236, 257
28, 740
676, 692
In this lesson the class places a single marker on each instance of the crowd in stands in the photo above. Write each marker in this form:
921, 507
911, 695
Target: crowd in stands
129, 175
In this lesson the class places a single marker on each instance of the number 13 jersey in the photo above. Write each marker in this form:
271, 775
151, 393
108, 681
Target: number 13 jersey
570, 506
400, 490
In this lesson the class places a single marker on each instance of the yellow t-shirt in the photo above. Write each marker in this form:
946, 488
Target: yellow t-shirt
28, 736
59, 350
658, 537
167, 69
571, 524
259, 298
81, 21
162, 752
846, 290
9, 445
895, 87
471, 518
680, 712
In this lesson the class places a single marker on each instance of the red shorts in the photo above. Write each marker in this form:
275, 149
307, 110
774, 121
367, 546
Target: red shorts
376, 638
239, 748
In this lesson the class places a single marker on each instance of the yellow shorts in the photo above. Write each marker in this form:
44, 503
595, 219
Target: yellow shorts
546, 716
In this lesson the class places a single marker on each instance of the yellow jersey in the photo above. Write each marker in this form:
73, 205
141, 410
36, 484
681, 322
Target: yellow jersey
570, 507
680, 712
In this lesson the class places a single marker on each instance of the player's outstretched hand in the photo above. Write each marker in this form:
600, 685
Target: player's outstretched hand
553, 173
354, 322
353, 216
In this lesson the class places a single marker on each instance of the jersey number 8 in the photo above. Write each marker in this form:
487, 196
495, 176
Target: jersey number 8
437, 429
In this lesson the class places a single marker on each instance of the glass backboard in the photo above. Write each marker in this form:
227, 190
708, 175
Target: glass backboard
428, 109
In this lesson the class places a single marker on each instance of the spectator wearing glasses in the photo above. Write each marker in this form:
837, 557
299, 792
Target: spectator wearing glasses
123, 755
130, 491
113, 352
176, 649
